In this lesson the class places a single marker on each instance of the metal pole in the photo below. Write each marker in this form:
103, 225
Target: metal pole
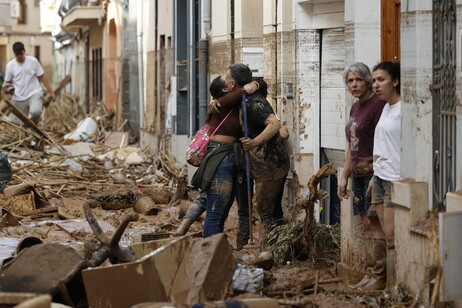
247, 166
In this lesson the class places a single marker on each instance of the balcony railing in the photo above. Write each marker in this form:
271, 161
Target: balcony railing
68, 5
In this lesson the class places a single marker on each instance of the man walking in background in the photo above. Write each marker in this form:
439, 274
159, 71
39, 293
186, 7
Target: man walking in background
22, 79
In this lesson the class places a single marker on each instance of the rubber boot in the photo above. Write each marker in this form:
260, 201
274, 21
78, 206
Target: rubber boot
364, 281
184, 227
193, 213
379, 271
391, 274
369, 248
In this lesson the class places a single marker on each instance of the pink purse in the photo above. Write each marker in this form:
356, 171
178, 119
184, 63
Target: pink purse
198, 147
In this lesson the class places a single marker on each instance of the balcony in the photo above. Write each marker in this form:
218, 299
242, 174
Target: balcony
81, 16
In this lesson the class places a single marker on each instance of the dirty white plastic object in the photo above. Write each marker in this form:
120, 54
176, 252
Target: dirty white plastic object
87, 126
247, 280
73, 165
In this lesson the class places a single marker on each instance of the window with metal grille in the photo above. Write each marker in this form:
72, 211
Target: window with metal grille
444, 100
97, 73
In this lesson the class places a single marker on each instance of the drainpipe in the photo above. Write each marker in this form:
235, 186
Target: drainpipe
296, 85
231, 35
139, 35
283, 94
275, 25
203, 56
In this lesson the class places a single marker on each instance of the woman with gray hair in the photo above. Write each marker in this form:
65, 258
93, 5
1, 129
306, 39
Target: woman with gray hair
364, 116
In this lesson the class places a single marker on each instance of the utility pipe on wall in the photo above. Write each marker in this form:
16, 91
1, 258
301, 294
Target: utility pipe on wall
203, 48
139, 35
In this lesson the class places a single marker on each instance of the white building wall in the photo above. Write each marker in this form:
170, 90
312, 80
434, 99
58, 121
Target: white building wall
307, 83
416, 76
220, 21
362, 32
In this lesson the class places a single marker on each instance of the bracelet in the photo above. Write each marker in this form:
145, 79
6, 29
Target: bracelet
256, 83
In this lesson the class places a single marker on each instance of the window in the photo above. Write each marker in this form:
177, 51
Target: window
162, 42
37, 52
22, 12
391, 15
97, 73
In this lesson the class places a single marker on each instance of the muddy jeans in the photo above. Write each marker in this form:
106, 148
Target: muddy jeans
198, 207
220, 195
243, 234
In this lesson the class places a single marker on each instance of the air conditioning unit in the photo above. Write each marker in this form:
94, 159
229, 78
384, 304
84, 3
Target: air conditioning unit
14, 9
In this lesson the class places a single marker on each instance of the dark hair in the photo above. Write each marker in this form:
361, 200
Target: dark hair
240, 73
18, 47
393, 69
216, 87
263, 87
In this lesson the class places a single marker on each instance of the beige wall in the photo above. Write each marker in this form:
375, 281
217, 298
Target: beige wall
249, 18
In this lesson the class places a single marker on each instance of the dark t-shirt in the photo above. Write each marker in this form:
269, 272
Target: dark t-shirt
360, 134
270, 160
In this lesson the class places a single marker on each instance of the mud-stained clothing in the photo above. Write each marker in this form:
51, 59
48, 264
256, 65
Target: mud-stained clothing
361, 203
381, 193
360, 134
269, 162
220, 195
359, 131
218, 177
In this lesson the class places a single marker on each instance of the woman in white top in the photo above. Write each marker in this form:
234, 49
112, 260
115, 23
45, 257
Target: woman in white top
387, 145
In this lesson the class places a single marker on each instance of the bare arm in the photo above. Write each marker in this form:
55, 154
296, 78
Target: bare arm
284, 132
47, 85
233, 98
272, 126
342, 192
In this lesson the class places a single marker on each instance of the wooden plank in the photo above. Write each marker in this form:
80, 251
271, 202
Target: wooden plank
28, 123
58, 89
47, 209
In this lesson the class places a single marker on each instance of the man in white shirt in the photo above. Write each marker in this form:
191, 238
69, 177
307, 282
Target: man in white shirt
22, 79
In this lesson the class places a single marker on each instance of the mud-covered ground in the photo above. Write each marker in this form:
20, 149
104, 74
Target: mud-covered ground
295, 284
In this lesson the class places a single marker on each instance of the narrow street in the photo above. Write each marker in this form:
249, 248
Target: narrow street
230, 153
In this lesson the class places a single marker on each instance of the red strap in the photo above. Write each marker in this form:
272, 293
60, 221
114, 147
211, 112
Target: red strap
221, 123
205, 144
